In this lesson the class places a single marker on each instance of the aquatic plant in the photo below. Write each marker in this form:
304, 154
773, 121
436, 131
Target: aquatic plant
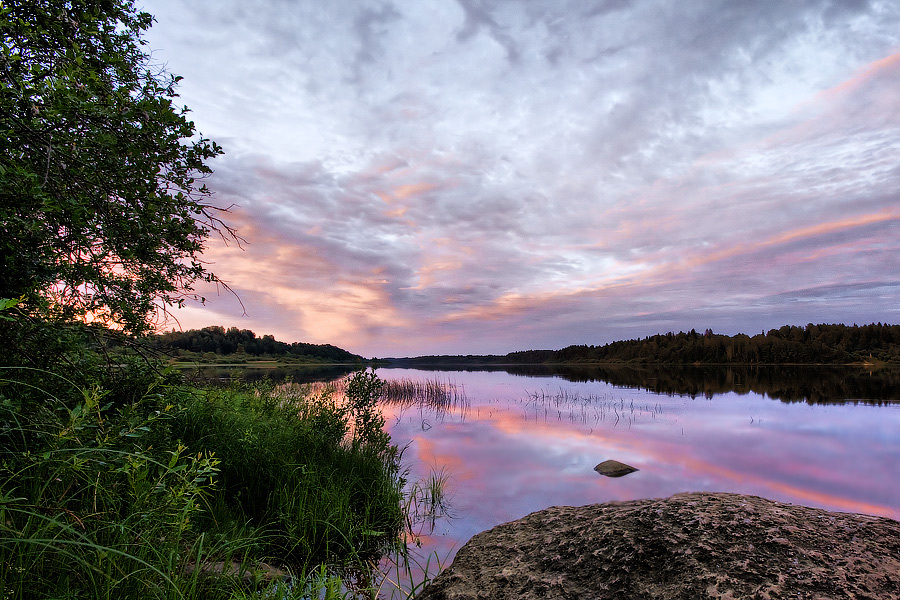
433, 393
589, 409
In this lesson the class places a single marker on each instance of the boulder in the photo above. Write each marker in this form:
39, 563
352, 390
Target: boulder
613, 468
690, 546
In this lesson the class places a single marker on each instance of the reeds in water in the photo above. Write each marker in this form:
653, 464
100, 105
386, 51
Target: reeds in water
433, 393
405, 572
590, 409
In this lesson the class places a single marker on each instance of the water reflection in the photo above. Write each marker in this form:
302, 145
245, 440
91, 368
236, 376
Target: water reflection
812, 384
212, 374
520, 444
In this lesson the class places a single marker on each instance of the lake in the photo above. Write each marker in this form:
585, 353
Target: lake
512, 444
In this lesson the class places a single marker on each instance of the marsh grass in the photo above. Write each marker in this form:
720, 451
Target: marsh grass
104, 496
403, 576
427, 501
433, 393
404, 572
591, 409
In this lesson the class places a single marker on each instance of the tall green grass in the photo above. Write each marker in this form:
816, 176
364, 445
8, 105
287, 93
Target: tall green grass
92, 502
105, 494
301, 467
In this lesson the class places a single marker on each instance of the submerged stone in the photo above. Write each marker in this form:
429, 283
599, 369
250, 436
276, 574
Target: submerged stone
613, 468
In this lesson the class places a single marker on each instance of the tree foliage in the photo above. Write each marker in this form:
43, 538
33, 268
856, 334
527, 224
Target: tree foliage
103, 213
813, 344
813, 384
231, 341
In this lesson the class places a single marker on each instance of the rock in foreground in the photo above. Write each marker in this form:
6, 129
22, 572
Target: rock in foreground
689, 546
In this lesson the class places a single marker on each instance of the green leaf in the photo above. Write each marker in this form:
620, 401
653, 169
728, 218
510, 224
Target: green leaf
96, 163
7, 303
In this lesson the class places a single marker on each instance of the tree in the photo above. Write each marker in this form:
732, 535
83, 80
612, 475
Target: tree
103, 210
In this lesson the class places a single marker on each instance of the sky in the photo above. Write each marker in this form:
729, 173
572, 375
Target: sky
483, 176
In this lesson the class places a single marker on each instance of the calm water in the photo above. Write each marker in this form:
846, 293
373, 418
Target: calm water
523, 443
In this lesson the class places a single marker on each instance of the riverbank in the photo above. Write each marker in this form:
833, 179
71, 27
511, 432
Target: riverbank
123, 490
226, 362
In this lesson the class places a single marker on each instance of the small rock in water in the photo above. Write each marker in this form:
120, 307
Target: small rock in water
613, 468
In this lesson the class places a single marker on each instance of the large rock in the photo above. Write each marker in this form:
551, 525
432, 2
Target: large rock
689, 546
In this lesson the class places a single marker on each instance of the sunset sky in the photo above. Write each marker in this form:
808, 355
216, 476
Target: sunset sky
482, 176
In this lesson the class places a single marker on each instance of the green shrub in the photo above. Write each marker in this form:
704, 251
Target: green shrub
292, 464
89, 507
107, 496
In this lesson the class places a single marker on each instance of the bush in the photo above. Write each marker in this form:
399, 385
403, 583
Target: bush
106, 496
292, 465
91, 503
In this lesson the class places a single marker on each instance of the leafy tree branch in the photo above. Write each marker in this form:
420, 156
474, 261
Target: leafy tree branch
104, 213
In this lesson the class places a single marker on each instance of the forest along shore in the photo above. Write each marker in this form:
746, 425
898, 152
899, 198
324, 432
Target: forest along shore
824, 344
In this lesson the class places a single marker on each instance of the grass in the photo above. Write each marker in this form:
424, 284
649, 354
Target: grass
433, 393
111, 495
89, 507
405, 572
590, 409
293, 466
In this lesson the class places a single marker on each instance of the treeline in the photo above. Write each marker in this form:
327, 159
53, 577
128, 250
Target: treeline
813, 344
449, 361
813, 384
223, 342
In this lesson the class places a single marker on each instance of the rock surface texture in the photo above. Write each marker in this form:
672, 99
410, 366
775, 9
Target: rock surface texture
689, 546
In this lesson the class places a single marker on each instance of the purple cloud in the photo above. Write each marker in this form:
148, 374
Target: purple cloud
487, 176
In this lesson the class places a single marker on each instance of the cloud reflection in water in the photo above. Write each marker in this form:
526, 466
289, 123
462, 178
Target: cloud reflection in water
522, 444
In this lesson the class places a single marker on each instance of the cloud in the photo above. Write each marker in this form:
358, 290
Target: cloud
489, 175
